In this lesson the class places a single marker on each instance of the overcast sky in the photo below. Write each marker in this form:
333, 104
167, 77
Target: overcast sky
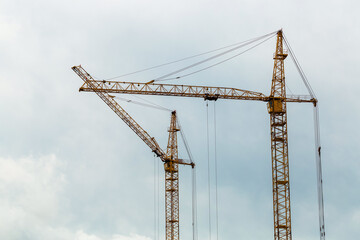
71, 169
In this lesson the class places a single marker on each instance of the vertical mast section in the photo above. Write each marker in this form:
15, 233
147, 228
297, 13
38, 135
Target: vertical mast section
279, 146
172, 183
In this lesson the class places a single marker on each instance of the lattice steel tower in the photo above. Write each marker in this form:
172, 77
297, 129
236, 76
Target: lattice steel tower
279, 146
172, 183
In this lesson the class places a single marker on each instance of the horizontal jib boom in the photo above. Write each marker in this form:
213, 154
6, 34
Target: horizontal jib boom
208, 93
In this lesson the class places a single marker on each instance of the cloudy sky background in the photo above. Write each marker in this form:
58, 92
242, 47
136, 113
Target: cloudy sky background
71, 169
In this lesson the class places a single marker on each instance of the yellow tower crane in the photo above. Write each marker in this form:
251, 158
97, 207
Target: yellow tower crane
279, 146
276, 102
170, 158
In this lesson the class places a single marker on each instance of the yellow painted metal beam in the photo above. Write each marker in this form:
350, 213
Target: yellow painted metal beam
205, 92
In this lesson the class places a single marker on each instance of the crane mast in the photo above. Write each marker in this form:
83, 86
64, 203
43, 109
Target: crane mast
279, 146
171, 167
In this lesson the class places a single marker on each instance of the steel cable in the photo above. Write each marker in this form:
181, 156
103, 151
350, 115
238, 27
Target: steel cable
317, 142
208, 161
151, 105
155, 235
216, 176
194, 191
163, 78
298, 67
183, 59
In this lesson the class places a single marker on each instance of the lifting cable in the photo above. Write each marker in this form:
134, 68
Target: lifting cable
164, 77
155, 199
317, 141
216, 177
319, 173
190, 57
208, 161
194, 204
209, 171
158, 208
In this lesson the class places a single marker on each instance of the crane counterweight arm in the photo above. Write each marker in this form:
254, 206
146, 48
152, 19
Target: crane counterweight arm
108, 99
206, 92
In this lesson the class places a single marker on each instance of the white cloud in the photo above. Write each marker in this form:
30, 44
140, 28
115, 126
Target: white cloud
30, 194
131, 237
356, 217
32, 185
32, 201
8, 30
80, 235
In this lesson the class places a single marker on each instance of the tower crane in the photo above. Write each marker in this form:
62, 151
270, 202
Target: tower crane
276, 103
170, 157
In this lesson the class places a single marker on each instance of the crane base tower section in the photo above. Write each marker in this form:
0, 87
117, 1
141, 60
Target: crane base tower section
171, 167
279, 146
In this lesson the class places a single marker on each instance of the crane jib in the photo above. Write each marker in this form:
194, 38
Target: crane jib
205, 92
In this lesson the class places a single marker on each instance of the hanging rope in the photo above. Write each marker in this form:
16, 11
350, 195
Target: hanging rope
194, 204
155, 219
208, 160
216, 176
164, 78
158, 200
319, 172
